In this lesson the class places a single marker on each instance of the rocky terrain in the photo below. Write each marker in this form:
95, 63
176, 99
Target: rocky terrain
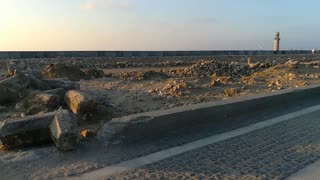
92, 91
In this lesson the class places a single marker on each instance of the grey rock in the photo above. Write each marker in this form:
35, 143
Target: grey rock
36, 83
64, 131
13, 89
25, 131
58, 92
63, 83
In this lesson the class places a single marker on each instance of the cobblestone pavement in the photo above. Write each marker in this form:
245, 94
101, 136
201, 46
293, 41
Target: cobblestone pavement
274, 152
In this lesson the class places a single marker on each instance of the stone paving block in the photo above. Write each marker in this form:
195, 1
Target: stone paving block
64, 130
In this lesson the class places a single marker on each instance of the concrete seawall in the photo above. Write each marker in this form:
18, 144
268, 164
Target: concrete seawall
155, 124
53, 54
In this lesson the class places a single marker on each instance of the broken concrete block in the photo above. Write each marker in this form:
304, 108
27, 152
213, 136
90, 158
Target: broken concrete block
36, 83
25, 131
80, 102
58, 92
19, 78
63, 83
13, 89
40, 102
64, 130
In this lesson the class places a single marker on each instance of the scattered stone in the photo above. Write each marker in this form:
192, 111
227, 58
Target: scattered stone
22, 65
88, 133
209, 68
73, 73
64, 130
173, 88
80, 102
144, 75
274, 63
231, 92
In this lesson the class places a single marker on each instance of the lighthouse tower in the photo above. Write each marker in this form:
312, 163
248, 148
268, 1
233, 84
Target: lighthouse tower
277, 42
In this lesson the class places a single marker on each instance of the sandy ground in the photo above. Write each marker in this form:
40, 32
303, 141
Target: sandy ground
134, 90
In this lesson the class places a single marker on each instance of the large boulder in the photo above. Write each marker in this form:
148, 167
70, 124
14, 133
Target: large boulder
80, 102
73, 73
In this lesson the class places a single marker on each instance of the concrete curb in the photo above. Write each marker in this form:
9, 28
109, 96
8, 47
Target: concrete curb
154, 124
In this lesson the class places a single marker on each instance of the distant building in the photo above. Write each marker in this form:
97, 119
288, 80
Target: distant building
277, 42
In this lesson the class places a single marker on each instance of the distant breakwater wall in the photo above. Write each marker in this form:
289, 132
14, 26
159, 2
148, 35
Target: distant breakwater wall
54, 54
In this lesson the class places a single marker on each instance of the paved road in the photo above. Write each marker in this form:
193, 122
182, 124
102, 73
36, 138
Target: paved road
273, 152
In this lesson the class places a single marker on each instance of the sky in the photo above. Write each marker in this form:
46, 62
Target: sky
27, 25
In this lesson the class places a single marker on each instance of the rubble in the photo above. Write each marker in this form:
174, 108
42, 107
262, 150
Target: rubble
144, 75
216, 80
80, 102
39, 102
94, 72
208, 68
59, 127
173, 88
230, 91
88, 133
73, 73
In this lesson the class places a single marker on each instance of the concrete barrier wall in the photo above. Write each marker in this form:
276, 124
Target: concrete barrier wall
53, 54
155, 124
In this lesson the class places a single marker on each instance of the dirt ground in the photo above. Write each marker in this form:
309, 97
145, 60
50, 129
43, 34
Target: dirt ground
128, 94
132, 90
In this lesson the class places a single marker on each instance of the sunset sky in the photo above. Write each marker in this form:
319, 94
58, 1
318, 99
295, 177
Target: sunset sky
158, 24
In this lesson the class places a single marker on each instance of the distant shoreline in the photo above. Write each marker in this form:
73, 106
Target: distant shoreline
54, 54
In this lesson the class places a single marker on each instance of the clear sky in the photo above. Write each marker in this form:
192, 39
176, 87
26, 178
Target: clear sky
158, 24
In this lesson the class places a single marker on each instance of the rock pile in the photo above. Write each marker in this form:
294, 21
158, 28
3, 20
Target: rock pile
38, 105
73, 73
208, 68
173, 88
94, 73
